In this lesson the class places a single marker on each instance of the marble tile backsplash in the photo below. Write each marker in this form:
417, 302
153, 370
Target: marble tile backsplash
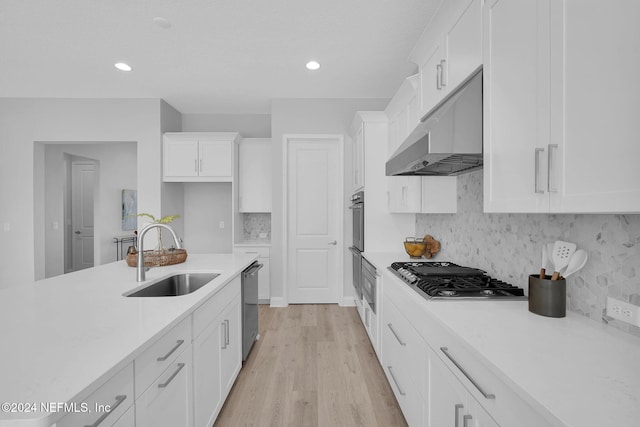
254, 224
508, 246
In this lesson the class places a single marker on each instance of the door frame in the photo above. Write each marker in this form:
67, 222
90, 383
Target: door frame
286, 140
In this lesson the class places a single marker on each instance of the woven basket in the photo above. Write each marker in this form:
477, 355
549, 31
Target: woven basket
158, 258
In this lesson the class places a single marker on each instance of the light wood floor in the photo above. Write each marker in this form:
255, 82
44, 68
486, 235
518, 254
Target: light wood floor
313, 366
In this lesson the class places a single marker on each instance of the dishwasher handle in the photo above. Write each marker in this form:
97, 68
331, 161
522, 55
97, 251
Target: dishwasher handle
252, 270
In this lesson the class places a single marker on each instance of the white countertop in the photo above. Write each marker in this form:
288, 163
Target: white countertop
583, 372
63, 336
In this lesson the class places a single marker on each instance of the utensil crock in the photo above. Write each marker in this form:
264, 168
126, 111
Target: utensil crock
547, 297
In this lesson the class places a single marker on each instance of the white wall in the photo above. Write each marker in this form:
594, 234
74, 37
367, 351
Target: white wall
25, 121
247, 125
117, 171
310, 116
206, 204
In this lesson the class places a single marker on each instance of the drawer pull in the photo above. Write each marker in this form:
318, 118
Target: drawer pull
396, 335
393, 377
486, 395
166, 356
465, 420
166, 383
457, 408
119, 399
226, 343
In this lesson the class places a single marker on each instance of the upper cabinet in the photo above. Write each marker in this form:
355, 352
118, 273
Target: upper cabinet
358, 157
550, 111
449, 51
414, 194
199, 156
255, 175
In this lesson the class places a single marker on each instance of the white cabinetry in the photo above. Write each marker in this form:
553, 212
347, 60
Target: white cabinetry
199, 156
358, 158
264, 281
450, 52
414, 194
565, 141
168, 401
116, 393
217, 352
255, 175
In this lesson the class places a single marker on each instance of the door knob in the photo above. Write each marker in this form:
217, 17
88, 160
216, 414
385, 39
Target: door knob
335, 242
77, 232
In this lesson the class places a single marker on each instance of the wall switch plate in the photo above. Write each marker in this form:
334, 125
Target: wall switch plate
624, 311
221, 224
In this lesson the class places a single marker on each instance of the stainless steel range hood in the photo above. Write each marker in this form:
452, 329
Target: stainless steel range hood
448, 140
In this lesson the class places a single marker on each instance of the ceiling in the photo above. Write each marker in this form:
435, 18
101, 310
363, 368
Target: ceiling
218, 56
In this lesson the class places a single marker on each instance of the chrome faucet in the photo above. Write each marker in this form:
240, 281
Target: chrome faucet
140, 276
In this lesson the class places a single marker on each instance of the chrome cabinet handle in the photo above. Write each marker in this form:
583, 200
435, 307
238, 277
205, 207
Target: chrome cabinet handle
443, 63
457, 409
195, 165
549, 188
119, 399
200, 170
396, 335
166, 356
168, 381
438, 74
227, 333
465, 420
393, 377
537, 171
224, 343
486, 395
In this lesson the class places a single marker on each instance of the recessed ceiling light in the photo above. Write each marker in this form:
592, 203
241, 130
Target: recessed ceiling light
122, 66
162, 22
312, 65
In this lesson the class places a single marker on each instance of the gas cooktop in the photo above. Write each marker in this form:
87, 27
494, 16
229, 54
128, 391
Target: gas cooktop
446, 280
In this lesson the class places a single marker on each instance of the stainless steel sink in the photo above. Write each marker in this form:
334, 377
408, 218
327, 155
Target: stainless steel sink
178, 284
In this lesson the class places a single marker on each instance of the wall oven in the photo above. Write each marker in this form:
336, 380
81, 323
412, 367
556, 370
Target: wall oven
357, 210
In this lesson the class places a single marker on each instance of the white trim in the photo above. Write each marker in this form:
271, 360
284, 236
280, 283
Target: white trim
348, 302
278, 302
285, 220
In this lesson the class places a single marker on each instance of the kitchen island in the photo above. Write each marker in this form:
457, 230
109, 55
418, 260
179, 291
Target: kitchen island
517, 368
64, 337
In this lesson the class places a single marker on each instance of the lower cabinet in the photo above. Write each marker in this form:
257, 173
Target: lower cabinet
450, 404
217, 358
168, 401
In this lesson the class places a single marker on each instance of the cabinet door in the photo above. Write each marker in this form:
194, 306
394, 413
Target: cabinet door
463, 43
255, 176
168, 401
404, 194
231, 355
215, 159
180, 158
515, 117
358, 160
595, 106
431, 73
206, 375
447, 398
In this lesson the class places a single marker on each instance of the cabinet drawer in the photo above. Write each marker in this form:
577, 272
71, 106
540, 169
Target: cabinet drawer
262, 251
168, 401
117, 393
500, 400
209, 311
162, 353
405, 339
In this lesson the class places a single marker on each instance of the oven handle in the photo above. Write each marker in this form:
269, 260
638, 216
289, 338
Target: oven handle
355, 250
358, 206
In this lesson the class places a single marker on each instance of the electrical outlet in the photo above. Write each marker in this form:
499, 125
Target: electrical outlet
624, 311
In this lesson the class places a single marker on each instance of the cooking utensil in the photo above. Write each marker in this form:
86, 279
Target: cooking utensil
546, 264
562, 251
576, 262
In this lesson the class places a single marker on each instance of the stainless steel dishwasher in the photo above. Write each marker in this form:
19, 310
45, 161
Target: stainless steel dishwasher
249, 307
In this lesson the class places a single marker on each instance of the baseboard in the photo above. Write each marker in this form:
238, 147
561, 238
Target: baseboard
347, 302
278, 302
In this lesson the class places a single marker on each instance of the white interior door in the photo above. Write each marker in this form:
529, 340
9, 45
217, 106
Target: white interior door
82, 222
314, 175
